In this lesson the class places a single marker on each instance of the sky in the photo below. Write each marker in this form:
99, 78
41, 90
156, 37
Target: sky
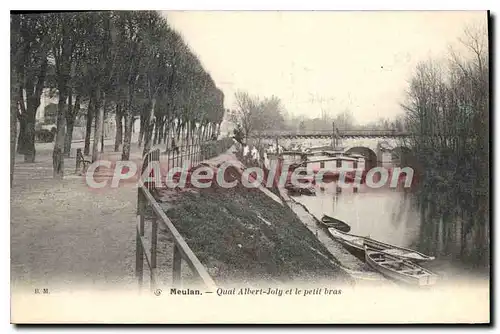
314, 61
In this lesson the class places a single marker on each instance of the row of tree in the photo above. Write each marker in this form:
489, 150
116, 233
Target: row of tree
447, 112
127, 63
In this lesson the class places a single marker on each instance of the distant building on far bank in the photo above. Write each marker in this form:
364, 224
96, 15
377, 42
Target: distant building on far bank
227, 127
45, 100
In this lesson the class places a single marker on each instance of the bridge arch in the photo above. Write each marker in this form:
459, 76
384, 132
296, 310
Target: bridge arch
369, 155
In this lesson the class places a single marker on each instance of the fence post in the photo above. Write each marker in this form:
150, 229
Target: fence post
154, 242
176, 268
157, 175
139, 252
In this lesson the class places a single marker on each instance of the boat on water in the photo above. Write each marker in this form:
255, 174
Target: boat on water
294, 190
401, 252
356, 245
331, 222
307, 191
399, 270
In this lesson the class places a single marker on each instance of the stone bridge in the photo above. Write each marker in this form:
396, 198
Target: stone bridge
376, 146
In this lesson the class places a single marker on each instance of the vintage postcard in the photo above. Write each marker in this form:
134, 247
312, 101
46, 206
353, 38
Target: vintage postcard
276, 167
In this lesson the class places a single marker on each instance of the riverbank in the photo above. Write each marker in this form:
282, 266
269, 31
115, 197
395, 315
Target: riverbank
245, 235
356, 268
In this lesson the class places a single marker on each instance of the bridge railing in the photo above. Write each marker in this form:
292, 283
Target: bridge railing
351, 132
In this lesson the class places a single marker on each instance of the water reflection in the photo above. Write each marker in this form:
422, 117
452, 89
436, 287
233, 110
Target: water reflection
385, 215
393, 216
388, 215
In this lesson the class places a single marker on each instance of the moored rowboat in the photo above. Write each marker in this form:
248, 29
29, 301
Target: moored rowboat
401, 252
300, 191
355, 244
398, 269
331, 222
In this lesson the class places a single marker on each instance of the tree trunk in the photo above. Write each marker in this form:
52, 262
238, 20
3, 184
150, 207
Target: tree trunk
70, 121
218, 129
188, 146
29, 134
203, 132
102, 130
57, 154
141, 129
22, 121
157, 130
88, 126
34, 88
119, 127
161, 131
166, 139
148, 131
128, 135
129, 123
165, 131
179, 127
15, 82
13, 121
22, 133
98, 125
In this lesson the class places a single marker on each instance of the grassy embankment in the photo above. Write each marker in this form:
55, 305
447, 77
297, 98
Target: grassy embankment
242, 234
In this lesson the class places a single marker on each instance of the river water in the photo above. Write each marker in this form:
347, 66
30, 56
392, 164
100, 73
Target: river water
393, 216
385, 215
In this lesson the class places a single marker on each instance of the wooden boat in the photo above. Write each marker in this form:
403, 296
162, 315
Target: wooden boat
300, 191
308, 191
335, 223
399, 270
355, 244
401, 252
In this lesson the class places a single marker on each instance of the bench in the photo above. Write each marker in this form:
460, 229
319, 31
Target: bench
80, 159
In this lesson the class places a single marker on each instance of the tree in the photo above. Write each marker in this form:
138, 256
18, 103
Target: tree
344, 120
447, 113
255, 115
66, 34
238, 134
14, 88
302, 126
132, 63
129, 37
271, 114
31, 68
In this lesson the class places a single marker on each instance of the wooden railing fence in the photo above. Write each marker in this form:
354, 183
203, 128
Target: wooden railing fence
181, 250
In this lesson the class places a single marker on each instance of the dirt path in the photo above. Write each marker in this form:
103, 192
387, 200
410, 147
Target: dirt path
64, 234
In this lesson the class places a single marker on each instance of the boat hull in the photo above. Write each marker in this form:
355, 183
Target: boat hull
330, 222
358, 250
354, 250
410, 255
399, 270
